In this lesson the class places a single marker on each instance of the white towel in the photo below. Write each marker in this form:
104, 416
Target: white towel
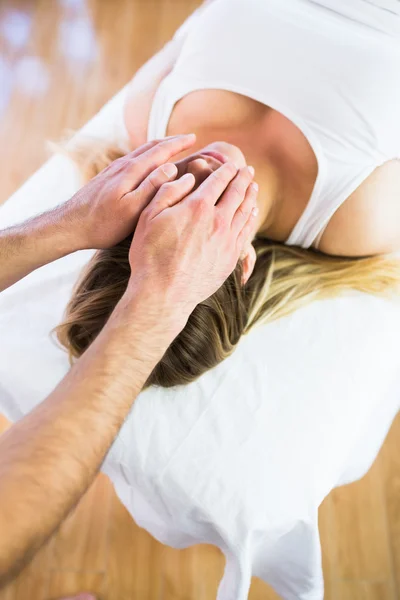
243, 457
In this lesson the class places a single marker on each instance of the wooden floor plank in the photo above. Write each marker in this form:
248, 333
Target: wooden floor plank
134, 559
210, 564
390, 459
81, 544
67, 583
328, 543
33, 582
182, 575
359, 520
261, 591
359, 590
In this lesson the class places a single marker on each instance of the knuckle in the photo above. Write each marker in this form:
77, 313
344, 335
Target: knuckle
153, 182
146, 212
156, 154
223, 176
200, 207
159, 150
166, 145
121, 162
220, 222
220, 175
243, 213
121, 189
230, 169
168, 189
237, 187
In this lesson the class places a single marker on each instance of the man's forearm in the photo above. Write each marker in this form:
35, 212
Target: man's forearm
55, 452
34, 243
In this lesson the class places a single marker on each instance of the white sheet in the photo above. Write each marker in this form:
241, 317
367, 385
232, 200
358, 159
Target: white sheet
242, 457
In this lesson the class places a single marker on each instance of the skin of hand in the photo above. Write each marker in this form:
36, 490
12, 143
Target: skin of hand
226, 221
201, 166
107, 208
186, 243
99, 215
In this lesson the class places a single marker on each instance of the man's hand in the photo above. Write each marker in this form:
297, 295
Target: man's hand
106, 209
187, 243
101, 214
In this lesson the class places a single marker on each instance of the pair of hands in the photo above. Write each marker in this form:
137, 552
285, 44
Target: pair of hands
190, 231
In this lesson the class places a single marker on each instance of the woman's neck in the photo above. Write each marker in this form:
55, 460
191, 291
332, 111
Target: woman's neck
269, 179
285, 189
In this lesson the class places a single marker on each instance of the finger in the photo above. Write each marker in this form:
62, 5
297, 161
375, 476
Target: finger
183, 164
245, 216
214, 186
248, 232
172, 193
160, 153
235, 193
133, 171
200, 169
145, 147
146, 191
121, 164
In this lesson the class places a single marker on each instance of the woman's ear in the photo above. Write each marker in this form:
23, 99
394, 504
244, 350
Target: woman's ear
249, 258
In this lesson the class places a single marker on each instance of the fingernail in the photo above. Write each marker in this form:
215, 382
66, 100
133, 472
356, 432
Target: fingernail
188, 177
170, 170
255, 186
252, 170
255, 211
189, 136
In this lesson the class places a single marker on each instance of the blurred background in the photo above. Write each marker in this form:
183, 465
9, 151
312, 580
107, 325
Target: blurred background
60, 61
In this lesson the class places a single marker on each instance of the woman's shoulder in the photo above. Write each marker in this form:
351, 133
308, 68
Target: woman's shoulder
142, 90
368, 222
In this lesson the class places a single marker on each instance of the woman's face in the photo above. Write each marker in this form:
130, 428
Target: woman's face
204, 162
209, 159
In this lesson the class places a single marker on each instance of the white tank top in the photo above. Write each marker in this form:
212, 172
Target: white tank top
330, 66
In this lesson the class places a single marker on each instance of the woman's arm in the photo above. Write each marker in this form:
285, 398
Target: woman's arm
142, 90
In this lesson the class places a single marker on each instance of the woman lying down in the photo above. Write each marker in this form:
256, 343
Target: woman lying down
319, 122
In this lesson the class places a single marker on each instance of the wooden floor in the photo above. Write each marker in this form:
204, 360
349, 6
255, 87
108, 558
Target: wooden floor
60, 60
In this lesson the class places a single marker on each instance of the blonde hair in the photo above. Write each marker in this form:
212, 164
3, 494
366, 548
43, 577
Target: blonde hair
284, 279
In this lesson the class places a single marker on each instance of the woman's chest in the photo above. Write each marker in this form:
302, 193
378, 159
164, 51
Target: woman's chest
219, 115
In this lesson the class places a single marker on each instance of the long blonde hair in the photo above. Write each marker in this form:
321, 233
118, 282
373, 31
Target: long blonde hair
284, 279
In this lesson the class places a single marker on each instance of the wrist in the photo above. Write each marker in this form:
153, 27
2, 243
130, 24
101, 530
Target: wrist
52, 234
141, 325
153, 309
67, 226
41, 239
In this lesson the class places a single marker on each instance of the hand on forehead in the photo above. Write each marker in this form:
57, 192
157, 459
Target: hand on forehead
200, 165
201, 168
